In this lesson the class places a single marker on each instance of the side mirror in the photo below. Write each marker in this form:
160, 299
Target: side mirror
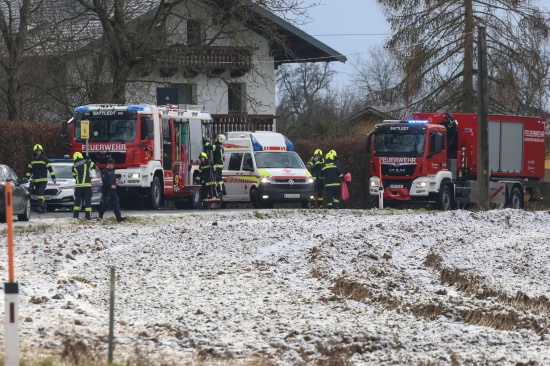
368, 142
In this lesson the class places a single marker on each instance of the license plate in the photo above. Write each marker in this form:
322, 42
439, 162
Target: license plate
395, 186
292, 195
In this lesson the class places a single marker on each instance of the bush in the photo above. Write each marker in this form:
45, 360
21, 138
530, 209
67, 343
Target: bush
18, 139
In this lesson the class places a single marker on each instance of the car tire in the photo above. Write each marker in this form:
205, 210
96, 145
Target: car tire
255, 198
305, 204
26, 215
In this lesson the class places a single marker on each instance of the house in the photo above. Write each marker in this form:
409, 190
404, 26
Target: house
363, 122
232, 78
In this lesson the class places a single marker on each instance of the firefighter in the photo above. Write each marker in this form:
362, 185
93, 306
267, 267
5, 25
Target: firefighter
314, 165
217, 159
110, 197
38, 168
332, 178
83, 186
205, 177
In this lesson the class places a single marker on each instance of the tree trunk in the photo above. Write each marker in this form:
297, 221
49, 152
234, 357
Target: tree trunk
468, 93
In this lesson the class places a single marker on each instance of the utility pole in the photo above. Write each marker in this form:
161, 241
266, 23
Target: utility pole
483, 123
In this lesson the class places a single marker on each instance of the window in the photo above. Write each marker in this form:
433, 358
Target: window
235, 98
187, 94
193, 32
247, 163
235, 161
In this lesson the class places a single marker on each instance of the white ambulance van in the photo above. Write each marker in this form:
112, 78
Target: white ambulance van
263, 168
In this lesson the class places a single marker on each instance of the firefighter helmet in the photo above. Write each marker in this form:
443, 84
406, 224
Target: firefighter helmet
221, 138
333, 153
203, 155
77, 155
329, 156
37, 147
318, 152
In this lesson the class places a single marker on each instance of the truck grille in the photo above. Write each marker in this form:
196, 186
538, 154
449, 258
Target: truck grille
404, 170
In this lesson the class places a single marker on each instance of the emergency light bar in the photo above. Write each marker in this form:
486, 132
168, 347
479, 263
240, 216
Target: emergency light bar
419, 121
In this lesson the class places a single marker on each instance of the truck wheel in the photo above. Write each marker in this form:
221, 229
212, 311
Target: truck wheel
444, 199
155, 195
255, 198
516, 199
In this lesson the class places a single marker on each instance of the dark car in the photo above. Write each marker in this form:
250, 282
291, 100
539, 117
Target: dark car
21, 199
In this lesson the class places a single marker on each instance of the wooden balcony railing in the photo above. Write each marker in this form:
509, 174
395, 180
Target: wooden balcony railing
213, 57
227, 123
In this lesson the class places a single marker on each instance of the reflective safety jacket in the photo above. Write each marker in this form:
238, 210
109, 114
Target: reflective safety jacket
331, 173
205, 173
39, 168
217, 154
81, 172
315, 166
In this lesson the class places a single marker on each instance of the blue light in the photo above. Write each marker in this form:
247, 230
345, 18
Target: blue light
82, 108
139, 107
419, 121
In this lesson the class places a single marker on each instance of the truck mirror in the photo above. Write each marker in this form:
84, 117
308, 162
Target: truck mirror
150, 128
368, 142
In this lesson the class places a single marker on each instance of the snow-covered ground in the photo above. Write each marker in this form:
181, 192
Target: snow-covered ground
291, 286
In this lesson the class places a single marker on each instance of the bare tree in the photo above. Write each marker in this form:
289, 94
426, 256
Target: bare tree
434, 45
377, 77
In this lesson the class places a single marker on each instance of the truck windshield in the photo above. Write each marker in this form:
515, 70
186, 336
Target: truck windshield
105, 128
287, 159
397, 143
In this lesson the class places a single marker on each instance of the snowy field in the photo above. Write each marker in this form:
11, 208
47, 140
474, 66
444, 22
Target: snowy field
290, 287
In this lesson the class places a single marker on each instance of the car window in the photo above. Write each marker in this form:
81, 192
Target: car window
64, 171
10, 174
235, 161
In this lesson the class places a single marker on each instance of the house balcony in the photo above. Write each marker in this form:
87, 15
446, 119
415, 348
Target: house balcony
214, 60
242, 122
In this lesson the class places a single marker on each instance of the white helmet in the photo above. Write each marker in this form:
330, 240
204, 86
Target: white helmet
221, 138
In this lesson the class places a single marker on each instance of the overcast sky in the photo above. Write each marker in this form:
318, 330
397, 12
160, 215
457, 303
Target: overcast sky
350, 27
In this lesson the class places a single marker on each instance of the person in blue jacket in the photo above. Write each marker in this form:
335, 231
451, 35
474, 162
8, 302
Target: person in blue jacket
110, 197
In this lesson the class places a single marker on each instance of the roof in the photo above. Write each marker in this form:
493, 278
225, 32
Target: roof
304, 47
384, 112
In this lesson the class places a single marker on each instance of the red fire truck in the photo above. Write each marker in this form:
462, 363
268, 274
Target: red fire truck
156, 149
432, 158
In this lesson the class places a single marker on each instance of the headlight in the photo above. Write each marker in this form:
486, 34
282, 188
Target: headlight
267, 180
65, 188
309, 180
421, 184
133, 176
373, 184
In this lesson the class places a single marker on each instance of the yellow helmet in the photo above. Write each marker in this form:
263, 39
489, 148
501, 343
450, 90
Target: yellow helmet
333, 153
318, 152
221, 138
37, 147
203, 155
329, 156
77, 155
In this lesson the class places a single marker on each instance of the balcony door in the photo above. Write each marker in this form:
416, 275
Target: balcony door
183, 94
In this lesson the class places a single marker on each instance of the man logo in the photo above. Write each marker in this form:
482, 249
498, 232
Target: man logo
291, 181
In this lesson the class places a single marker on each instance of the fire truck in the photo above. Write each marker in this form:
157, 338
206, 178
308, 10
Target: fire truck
433, 159
156, 149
